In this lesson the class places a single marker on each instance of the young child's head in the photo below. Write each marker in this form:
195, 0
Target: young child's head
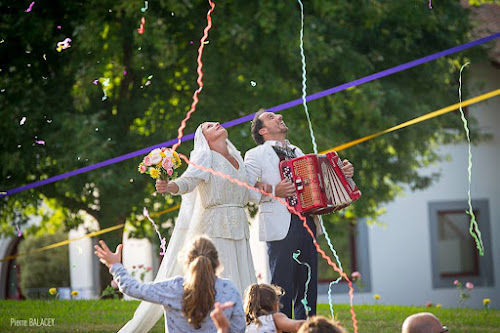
261, 299
320, 324
202, 261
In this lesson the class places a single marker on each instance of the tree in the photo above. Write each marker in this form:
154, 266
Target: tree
250, 41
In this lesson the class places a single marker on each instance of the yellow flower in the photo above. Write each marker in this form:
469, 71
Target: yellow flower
486, 301
177, 159
74, 293
438, 305
53, 291
154, 173
376, 297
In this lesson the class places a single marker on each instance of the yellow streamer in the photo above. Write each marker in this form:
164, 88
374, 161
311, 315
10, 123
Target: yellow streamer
427, 116
417, 120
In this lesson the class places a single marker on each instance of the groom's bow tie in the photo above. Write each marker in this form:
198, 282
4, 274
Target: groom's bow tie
285, 152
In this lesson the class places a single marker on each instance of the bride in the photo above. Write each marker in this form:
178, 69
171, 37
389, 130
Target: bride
213, 206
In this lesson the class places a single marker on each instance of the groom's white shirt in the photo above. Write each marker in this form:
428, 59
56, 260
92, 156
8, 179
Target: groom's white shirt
262, 163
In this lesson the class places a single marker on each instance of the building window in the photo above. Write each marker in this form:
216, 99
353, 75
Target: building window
350, 241
453, 250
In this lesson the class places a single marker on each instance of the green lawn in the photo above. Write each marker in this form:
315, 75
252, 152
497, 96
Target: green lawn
110, 315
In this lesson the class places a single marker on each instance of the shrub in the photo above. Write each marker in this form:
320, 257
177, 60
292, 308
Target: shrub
44, 269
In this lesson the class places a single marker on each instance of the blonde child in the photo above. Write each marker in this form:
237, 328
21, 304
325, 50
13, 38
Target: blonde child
262, 315
187, 300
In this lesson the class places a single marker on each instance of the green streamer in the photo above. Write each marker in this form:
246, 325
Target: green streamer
473, 228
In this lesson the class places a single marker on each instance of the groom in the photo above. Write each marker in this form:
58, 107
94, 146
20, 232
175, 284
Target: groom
283, 232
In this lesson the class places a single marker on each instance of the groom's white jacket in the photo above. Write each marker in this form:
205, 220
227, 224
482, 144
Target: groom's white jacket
262, 163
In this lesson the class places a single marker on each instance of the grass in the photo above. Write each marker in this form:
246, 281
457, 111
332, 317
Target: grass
111, 315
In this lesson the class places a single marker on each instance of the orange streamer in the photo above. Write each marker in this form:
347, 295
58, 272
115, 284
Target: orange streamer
304, 223
200, 76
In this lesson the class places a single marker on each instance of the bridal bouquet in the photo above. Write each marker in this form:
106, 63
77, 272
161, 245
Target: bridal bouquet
160, 163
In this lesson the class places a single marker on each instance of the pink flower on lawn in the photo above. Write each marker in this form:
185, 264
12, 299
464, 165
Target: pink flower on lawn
356, 275
147, 161
428, 304
167, 164
469, 286
455, 282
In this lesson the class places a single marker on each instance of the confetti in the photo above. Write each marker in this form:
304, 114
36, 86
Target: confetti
253, 83
191, 42
30, 7
430, 4
95, 82
105, 84
23, 120
145, 7
19, 233
63, 45
2, 41
150, 77
295, 256
206, 42
59, 27
124, 72
40, 142
141, 29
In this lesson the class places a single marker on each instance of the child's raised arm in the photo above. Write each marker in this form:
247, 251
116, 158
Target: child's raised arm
284, 323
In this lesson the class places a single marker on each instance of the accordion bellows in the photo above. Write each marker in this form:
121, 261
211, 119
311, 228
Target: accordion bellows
320, 184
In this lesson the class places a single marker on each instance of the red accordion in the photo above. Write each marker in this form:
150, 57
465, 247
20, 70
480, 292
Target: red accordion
320, 184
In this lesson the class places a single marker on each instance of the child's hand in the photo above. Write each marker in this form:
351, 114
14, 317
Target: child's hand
219, 318
105, 255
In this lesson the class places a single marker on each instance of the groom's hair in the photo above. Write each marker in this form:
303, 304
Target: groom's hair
257, 124
199, 282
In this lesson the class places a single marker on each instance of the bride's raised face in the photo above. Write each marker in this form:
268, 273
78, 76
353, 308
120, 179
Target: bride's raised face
213, 132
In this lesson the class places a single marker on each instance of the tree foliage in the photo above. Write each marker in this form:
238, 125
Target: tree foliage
249, 41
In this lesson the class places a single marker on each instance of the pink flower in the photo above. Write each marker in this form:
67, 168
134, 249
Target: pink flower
456, 282
149, 268
147, 161
428, 304
356, 275
167, 163
469, 286
142, 169
170, 171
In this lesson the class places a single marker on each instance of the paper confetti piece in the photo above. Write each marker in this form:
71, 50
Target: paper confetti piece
44, 57
59, 27
145, 7
141, 28
63, 45
473, 227
95, 82
19, 233
253, 83
2, 41
430, 4
30, 7
23, 120
40, 142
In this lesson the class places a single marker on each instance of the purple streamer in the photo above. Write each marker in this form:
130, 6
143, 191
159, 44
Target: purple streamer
249, 117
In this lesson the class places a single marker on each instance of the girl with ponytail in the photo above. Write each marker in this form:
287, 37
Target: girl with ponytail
188, 300
262, 305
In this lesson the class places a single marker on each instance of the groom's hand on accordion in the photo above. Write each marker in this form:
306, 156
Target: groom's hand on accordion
348, 169
284, 189
164, 186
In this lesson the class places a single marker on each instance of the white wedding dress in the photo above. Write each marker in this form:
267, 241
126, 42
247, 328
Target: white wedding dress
213, 206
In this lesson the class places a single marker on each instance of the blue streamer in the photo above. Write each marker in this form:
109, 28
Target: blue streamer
304, 300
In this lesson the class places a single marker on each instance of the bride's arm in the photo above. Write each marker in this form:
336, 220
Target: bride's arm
179, 186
